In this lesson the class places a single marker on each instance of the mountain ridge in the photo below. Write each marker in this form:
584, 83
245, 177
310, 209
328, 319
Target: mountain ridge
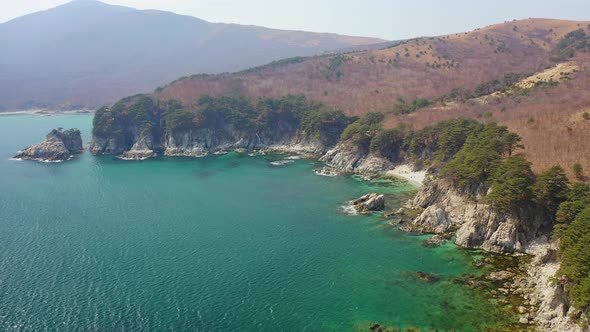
88, 54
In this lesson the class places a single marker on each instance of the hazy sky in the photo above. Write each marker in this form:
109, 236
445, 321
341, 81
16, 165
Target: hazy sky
388, 19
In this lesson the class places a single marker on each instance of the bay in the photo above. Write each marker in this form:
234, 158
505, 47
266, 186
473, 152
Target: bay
223, 243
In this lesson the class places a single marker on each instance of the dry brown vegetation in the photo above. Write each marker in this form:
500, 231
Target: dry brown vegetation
549, 118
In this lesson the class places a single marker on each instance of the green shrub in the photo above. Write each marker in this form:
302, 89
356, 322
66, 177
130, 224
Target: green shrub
575, 260
362, 131
442, 141
387, 144
551, 189
499, 85
578, 171
177, 118
138, 111
216, 112
578, 198
567, 47
402, 108
276, 64
511, 184
478, 158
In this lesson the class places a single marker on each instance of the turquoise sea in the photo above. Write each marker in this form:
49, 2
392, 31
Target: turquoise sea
225, 243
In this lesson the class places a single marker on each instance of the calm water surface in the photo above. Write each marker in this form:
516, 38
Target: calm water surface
226, 243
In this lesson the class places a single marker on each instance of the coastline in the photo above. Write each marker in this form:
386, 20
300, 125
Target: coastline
41, 112
403, 172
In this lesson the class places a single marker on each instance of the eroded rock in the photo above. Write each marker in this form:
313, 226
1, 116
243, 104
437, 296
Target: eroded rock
369, 203
59, 145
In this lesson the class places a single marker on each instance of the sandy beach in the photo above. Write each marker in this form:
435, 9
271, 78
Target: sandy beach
405, 172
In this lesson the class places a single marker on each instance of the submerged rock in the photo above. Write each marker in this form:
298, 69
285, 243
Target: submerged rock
280, 163
502, 275
427, 277
59, 145
326, 171
138, 155
369, 203
436, 241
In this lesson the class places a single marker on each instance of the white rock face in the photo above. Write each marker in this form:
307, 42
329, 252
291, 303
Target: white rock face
432, 220
481, 226
553, 307
369, 203
350, 158
478, 225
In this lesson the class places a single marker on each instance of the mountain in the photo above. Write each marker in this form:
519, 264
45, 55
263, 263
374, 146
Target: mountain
426, 80
87, 53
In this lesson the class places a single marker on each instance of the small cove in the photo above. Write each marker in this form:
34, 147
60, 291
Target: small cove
223, 243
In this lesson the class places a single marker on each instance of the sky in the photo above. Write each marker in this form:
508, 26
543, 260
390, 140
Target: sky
387, 19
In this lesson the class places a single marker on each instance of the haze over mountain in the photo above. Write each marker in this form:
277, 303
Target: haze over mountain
87, 53
426, 80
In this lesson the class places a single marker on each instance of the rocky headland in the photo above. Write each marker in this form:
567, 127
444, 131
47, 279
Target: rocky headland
456, 199
59, 145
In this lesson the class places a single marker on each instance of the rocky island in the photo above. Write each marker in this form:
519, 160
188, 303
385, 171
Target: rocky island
59, 145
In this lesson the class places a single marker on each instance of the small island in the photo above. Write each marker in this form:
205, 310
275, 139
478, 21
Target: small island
59, 145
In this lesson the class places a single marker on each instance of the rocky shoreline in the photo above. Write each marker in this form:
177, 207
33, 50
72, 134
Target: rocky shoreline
522, 262
438, 208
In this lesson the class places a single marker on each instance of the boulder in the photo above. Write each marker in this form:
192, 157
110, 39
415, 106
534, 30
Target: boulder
369, 203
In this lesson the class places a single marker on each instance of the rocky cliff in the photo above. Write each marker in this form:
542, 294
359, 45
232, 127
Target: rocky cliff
349, 157
201, 141
443, 208
139, 128
59, 145
552, 310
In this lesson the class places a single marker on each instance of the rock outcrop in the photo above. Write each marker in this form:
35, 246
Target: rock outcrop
369, 203
141, 150
202, 141
349, 157
477, 224
59, 145
553, 311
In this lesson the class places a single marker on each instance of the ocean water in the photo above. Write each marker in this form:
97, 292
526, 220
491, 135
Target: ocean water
225, 243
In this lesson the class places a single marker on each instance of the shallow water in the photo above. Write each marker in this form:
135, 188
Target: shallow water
224, 243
